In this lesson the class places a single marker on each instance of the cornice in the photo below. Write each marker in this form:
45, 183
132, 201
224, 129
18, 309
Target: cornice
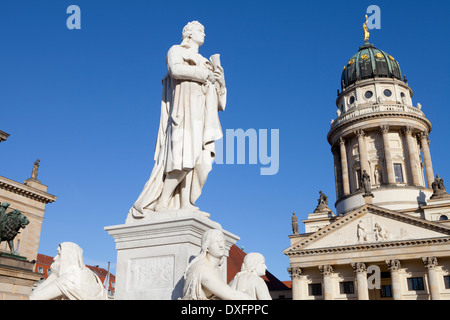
3, 136
295, 249
370, 246
26, 191
339, 124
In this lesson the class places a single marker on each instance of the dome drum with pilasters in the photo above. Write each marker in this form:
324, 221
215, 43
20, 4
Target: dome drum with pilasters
379, 131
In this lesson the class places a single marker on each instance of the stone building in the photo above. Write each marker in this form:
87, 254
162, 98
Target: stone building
17, 271
389, 238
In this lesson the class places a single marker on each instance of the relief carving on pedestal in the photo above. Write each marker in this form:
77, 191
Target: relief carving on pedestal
150, 273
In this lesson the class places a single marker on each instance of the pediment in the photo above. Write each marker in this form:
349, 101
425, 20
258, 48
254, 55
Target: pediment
371, 224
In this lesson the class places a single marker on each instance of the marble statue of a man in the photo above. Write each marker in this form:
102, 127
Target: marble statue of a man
249, 279
193, 93
203, 277
70, 278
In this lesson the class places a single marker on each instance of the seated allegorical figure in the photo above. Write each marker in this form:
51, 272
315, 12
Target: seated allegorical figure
249, 279
203, 277
70, 279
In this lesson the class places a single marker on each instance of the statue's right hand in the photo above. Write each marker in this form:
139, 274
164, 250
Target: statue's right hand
211, 78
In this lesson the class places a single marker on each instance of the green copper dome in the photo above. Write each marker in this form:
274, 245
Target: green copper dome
369, 62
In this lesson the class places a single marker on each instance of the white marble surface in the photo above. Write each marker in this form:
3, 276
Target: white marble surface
153, 253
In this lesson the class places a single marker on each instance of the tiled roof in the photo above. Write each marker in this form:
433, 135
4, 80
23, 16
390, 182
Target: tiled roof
45, 260
234, 263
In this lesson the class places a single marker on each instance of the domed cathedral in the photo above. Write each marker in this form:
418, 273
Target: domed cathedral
390, 236
378, 130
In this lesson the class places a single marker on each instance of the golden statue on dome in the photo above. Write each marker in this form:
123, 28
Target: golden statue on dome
366, 31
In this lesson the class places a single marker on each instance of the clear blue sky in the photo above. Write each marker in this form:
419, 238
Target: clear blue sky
87, 104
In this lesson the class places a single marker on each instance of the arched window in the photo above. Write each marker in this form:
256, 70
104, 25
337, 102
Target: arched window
443, 217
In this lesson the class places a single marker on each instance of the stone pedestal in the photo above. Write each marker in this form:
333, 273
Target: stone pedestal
368, 198
16, 278
153, 253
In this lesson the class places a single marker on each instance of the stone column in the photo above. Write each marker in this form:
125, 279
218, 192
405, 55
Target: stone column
387, 154
327, 272
337, 173
344, 168
363, 160
413, 161
423, 137
361, 280
433, 284
297, 290
394, 267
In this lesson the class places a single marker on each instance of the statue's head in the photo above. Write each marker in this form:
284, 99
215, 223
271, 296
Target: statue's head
213, 243
193, 31
69, 257
23, 220
254, 262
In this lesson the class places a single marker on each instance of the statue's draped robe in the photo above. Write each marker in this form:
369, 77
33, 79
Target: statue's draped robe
72, 278
193, 288
251, 284
189, 125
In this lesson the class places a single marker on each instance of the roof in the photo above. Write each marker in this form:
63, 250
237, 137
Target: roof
43, 259
369, 62
234, 263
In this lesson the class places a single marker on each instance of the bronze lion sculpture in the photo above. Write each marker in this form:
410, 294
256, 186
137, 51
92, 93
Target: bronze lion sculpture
10, 225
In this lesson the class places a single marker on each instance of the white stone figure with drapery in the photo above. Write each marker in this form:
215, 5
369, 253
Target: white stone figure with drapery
193, 93
70, 279
249, 280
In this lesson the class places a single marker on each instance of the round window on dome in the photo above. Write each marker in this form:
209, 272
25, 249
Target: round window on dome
387, 92
352, 99
368, 94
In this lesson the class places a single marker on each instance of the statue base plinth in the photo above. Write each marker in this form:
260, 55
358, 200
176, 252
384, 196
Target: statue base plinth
154, 251
440, 194
368, 198
13, 256
16, 277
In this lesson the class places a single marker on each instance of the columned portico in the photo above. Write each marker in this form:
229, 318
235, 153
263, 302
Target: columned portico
327, 272
433, 285
344, 167
361, 280
387, 154
403, 227
297, 283
394, 267
362, 149
412, 156
423, 137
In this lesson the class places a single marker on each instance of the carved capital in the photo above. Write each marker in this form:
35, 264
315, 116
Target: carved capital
295, 272
430, 262
407, 130
341, 140
422, 135
384, 128
359, 133
359, 267
393, 265
326, 269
